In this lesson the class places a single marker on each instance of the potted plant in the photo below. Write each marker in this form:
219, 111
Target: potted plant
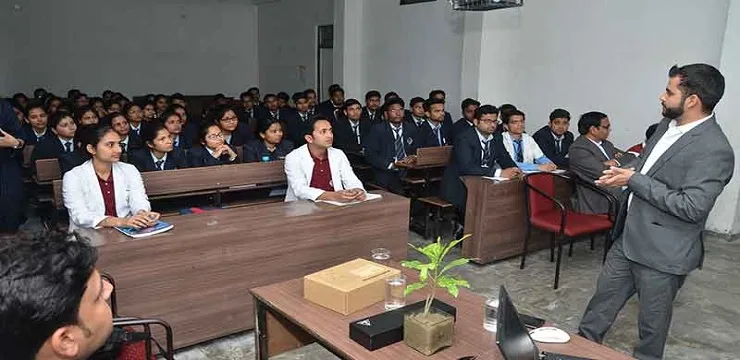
429, 330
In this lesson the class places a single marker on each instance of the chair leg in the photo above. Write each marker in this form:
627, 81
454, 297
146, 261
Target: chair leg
426, 222
557, 267
438, 223
592, 241
526, 243
552, 247
607, 244
570, 248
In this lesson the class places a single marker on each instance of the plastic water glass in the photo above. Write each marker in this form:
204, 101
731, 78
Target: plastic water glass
490, 320
394, 292
381, 256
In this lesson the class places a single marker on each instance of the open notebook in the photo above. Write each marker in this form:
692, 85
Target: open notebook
158, 228
368, 197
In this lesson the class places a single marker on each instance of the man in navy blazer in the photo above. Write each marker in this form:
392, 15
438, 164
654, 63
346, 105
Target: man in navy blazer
391, 144
332, 108
351, 130
468, 111
434, 132
555, 139
477, 152
298, 120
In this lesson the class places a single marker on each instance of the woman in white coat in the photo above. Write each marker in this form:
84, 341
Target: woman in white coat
103, 191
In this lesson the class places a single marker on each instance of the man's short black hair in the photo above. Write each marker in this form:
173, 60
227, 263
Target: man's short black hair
432, 101
507, 116
267, 96
309, 91
299, 95
177, 96
42, 281
394, 101
485, 110
416, 100
283, 96
371, 94
702, 80
351, 102
468, 102
244, 95
559, 114
589, 120
389, 95
312, 124
434, 93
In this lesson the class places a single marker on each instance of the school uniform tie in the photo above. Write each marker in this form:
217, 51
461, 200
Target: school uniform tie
159, 164
559, 145
123, 147
398, 145
356, 131
487, 155
68, 146
518, 151
436, 136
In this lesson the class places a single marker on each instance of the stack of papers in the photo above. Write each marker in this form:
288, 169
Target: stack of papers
368, 197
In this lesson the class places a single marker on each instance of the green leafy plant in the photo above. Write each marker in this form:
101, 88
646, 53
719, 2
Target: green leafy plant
433, 275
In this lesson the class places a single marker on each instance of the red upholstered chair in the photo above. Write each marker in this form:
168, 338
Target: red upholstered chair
546, 213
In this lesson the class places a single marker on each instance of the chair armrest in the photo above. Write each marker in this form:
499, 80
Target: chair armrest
113, 304
167, 353
599, 190
527, 185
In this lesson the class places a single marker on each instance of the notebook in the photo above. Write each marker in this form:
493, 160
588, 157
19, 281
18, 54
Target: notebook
158, 228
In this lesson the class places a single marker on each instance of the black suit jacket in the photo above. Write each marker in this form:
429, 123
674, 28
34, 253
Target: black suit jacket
409, 119
376, 119
296, 127
70, 160
466, 160
380, 153
200, 157
328, 109
545, 140
458, 127
240, 136
346, 140
143, 161
254, 151
29, 137
48, 148
427, 138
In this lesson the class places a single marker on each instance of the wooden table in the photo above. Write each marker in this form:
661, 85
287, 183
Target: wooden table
286, 321
195, 276
496, 216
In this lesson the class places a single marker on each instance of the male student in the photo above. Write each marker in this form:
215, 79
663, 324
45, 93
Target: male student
591, 154
53, 301
298, 120
371, 111
477, 152
317, 171
416, 117
391, 145
554, 139
312, 101
433, 131
522, 147
255, 91
469, 106
351, 130
440, 94
273, 107
332, 108
250, 110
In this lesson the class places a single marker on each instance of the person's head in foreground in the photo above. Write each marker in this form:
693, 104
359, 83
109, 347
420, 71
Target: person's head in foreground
53, 302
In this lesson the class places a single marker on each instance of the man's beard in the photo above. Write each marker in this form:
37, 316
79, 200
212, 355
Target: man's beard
673, 113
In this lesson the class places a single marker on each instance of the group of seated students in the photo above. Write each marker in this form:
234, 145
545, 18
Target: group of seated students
103, 144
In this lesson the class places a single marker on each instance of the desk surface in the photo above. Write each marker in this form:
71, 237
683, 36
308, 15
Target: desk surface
195, 276
332, 329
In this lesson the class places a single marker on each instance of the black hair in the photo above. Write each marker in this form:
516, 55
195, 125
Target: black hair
18, 96
312, 124
507, 115
432, 101
559, 114
167, 113
415, 101
91, 135
81, 111
485, 110
589, 120
434, 93
309, 91
351, 102
110, 103
33, 104
264, 124
389, 95
219, 111
57, 117
40, 93
334, 87
702, 80
283, 96
299, 95
372, 94
177, 96
270, 95
337, 89
95, 99
173, 107
244, 95
78, 96
71, 93
505, 110
149, 133
42, 281
467, 102
253, 88
394, 101
650, 131
203, 131
128, 107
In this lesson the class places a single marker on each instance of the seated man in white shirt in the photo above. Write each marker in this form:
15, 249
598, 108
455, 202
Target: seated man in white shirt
317, 171
522, 147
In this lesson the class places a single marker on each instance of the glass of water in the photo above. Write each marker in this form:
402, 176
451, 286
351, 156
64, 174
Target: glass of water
490, 320
381, 256
394, 292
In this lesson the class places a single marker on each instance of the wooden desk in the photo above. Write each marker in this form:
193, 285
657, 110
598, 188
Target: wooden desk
286, 321
496, 216
196, 275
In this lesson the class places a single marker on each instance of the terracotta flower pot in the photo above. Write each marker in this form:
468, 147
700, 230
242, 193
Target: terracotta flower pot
428, 333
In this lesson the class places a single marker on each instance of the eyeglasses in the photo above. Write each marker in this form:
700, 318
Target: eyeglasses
230, 119
215, 136
605, 127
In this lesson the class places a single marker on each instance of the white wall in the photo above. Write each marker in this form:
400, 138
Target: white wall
287, 43
6, 49
137, 46
603, 55
413, 49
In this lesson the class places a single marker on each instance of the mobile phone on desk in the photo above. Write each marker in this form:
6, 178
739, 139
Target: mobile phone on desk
531, 322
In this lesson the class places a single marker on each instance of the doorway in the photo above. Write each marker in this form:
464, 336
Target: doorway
324, 59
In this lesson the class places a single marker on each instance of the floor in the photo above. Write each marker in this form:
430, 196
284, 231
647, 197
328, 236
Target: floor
706, 323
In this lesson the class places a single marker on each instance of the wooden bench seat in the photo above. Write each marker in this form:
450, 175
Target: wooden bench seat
436, 207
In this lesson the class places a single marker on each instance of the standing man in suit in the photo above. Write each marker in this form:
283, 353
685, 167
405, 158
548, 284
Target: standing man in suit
298, 120
371, 111
351, 130
317, 171
671, 189
434, 132
469, 106
416, 117
591, 154
477, 152
391, 145
554, 139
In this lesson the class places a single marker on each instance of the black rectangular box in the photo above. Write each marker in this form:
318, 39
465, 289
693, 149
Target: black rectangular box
386, 328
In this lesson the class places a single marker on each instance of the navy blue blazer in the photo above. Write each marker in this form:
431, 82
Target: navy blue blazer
466, 159
543, 137
254, 151
30, 137
200, 157
346, 140
376, 119
380, 152
69, 161
458, 127
295, 127
328, 109
48, 148
240, 136
427, 138
143, 161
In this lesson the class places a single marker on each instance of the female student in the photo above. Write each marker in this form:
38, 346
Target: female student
159, 152
86, 116
135, 116
189, 129
173, 122
234, 134
214, 150
62, 141
104, 192
36, 124
129, 141
271, 145
149, 113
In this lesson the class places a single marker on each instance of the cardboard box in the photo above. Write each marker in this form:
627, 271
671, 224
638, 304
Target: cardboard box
348, 287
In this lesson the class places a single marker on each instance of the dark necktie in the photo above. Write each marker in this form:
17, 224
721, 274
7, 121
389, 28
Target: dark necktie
68, 146
398, 145
372, 117
518, 151
436, 136
159, 164
123, 147
356, 131
304, 117
486, 153
559, 145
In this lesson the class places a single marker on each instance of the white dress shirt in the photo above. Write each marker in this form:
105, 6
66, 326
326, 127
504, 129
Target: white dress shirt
530, 150
483, 141
65, 142
163, 159
299, 169
598, 145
